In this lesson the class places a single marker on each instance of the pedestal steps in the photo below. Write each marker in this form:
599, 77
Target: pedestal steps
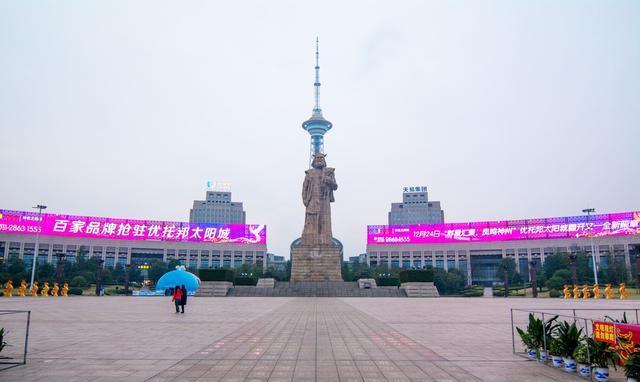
316, 289
213, 289
420, 289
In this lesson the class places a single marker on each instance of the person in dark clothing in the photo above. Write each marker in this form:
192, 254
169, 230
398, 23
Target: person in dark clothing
183, 299
177, 298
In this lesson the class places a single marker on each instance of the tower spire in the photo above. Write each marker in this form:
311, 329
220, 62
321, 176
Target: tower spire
317, 126
316, 85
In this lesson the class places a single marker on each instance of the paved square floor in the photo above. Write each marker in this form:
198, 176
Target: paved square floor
279, 339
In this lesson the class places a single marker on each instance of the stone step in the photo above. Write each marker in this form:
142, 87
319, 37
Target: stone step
316, 289
420, 289
266, 283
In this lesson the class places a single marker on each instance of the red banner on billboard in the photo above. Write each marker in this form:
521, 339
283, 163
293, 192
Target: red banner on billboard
623, 337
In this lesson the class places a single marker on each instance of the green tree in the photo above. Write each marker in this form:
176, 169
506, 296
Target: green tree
509, 265
615, 272
156, 270
553, 263
45, 272
455, 281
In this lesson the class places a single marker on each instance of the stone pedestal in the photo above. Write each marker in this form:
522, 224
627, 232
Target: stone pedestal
315, 263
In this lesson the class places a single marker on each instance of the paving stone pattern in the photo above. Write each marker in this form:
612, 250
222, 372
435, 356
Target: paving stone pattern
132, 339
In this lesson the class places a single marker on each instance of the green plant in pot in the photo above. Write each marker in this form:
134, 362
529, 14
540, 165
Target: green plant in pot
541, 334
529, 344
555, 350
602, 357
632, 367
3, 343
581, 355
568, 336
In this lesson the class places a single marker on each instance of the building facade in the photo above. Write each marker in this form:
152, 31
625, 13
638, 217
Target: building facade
416, 208
217, 209
125, 241
477, 248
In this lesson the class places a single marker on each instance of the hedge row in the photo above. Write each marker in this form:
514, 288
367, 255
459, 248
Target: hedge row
215, 274
387, 281
416, 275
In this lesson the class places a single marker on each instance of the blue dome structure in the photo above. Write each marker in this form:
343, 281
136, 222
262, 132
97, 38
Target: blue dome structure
176, 278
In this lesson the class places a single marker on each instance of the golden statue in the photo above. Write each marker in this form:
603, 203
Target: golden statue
34, 289
44, 292
54, 291
65, 289
576, 292
623, 291
567, 293
8, 289
608, 292
586, 292
596, 291
22, 290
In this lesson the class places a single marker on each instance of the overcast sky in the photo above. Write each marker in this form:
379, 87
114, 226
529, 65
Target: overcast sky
504, 109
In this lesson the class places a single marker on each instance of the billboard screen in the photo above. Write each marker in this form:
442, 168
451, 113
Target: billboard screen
22, 222
619, 224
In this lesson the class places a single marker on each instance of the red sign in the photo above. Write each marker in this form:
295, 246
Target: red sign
623, 337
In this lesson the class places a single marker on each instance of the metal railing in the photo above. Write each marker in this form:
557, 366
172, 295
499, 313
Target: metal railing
20, 357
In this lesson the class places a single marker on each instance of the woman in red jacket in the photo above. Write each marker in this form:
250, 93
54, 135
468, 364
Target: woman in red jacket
177, 298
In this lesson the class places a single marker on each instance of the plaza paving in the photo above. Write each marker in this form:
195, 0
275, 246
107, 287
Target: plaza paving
279, 339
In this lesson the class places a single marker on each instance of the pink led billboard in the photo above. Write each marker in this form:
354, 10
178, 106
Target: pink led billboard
619, 224
22, 222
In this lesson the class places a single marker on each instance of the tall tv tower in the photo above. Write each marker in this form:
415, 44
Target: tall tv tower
317, 126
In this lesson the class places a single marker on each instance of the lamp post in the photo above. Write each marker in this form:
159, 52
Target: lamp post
99, 263
40, 207
574, 272
533, 278
127, 269
60, 266
589, 211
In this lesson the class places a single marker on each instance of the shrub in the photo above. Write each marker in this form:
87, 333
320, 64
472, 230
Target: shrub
75, 291
472, 292
388, 281
79, 282
207, 274
245, 281
554, 293
414, 275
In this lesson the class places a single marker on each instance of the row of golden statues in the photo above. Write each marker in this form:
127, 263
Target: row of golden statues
585, 292
33, 291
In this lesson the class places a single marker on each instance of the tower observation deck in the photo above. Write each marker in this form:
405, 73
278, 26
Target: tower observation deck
317, 126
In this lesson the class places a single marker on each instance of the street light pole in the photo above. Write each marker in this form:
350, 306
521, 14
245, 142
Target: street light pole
40, 207
589, 211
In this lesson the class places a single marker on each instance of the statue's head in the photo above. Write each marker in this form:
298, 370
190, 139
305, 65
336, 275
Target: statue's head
318, 161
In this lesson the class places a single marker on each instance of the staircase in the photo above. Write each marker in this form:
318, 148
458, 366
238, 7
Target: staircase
315, 289
420, 289
266, 283
213, 289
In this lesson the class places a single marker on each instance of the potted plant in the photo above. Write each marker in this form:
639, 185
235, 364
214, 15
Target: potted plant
529, 346
568, 336
581, 356
555, 350
528, 338
3, 343
602, 357
544, 331
632, 367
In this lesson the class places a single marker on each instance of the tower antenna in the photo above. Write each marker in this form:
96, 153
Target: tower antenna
317, 126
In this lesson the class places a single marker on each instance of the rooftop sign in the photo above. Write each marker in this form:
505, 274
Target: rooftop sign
408, 189
22, 222
619, 224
